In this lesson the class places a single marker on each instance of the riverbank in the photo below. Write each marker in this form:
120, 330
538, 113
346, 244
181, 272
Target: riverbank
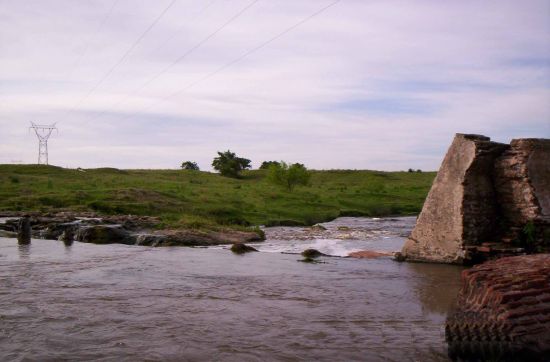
203, 200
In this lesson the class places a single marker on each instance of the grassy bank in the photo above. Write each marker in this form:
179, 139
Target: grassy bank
197, 199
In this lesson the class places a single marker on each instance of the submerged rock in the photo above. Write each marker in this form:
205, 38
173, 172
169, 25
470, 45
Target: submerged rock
241, 248
502, 312
369, 254
312, 253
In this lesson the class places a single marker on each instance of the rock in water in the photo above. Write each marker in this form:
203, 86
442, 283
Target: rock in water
105, 234
483, 191
312, 253
502, 312
67, 236
241, 248
24, 230
318, 227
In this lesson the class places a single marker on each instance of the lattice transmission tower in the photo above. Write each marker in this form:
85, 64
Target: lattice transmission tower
43, 132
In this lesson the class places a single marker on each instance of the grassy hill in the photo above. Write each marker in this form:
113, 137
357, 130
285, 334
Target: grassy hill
196, 199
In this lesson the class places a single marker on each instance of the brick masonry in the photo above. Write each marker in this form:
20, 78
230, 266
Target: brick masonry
503, 311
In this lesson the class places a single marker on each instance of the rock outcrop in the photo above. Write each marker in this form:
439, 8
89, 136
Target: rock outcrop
483, 198
122, 229
104, 234
503, 311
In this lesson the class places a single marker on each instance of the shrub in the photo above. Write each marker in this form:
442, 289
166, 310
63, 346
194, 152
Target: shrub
190, 165
266, 164
229, 165
288, 175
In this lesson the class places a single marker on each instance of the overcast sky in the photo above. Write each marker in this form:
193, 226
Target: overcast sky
362, 85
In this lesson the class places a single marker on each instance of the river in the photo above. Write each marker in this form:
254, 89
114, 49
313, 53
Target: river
127, 303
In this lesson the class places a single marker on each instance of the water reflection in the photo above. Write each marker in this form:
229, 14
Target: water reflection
435, 285
24, 251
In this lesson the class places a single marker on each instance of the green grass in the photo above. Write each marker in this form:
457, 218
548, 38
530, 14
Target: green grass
200, 199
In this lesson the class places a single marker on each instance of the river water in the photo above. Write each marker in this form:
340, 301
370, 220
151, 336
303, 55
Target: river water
127, 303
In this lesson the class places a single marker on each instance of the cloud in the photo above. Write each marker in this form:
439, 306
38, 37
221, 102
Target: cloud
366, 84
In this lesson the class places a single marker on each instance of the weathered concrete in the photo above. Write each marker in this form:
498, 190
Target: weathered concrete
522, 182
503, 311
488, 200
460, 207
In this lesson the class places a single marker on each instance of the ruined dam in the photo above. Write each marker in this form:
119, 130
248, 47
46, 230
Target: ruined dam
488, 200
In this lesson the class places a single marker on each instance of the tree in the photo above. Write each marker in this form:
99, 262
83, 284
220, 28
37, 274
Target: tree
189, 165
288, 175
265, 165
228, 164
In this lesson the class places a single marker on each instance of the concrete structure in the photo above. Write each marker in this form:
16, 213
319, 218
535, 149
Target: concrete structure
484, 195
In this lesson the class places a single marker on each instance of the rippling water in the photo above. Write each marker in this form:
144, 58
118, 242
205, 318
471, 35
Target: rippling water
117, 302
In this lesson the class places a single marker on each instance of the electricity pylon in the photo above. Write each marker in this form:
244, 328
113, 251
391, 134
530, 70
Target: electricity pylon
43, 132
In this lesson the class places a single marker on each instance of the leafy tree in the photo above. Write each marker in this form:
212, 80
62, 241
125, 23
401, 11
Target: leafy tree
228, 164
189, 165
288, 175
265, 165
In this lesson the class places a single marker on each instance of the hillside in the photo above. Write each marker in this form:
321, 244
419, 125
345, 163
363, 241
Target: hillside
196, 199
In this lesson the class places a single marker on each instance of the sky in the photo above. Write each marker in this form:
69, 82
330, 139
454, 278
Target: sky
350, 84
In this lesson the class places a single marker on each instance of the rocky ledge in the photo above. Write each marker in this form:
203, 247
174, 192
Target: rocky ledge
502, 311
119, 229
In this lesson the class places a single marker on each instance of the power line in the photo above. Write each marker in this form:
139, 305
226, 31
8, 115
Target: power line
121, 59
246, 54
200, 12
199, 44
187, 53
253, 50
87, 48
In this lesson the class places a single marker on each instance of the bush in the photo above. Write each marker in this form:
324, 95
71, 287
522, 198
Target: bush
288, 175
266, 164
229, 165
190, 165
